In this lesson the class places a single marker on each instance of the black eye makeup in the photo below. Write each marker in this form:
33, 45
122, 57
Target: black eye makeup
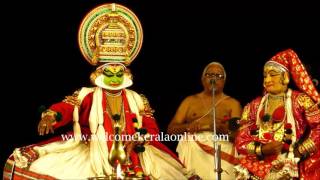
119, 74
108, 73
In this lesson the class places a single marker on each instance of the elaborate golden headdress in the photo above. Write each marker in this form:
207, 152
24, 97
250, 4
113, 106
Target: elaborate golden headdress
110, 33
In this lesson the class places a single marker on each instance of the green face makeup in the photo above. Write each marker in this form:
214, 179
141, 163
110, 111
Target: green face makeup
113, 76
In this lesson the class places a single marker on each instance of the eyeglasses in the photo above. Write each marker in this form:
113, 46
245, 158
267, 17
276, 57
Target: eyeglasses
214, 75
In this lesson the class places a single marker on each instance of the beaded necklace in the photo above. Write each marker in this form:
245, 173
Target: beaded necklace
268, 126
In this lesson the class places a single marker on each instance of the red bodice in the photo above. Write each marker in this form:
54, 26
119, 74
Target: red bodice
278, 114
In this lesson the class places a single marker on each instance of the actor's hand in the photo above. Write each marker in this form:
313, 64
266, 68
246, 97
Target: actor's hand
222, 127
232, 136
129, 145
45, 125
271, 148
137, 140
296, 153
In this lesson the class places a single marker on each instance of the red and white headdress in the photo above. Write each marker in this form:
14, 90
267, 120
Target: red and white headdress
289, 61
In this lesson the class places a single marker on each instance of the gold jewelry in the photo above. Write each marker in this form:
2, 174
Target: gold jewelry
113, 94
302, 150
280, 97
258, 150
309, 145
120, 121
251, 148
48, 112
73, 99
275, 128
148, 111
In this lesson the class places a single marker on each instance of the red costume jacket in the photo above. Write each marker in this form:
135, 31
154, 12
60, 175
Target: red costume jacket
66, 109
148, 122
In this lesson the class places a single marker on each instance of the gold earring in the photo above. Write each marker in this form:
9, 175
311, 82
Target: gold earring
285, 80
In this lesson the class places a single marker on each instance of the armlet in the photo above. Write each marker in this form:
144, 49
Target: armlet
148, 111
73, 99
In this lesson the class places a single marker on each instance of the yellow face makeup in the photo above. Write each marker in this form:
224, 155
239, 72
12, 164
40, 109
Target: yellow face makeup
114, 68
274, 80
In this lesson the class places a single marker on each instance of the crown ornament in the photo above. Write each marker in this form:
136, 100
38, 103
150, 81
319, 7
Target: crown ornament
110, 33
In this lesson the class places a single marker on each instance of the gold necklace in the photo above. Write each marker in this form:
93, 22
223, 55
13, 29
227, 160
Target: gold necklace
113, 94
116, 117
276, 129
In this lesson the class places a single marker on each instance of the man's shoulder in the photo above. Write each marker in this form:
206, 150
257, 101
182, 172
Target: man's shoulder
232, 100
193, 97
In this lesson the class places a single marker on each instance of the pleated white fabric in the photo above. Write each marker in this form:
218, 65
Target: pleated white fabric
200, 161
160, 165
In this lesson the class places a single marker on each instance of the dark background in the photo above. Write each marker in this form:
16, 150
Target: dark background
42, 62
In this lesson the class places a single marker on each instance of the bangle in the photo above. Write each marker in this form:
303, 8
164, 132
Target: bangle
50, 113
302, 150
259, 153
258, 150
309, 146
251, 148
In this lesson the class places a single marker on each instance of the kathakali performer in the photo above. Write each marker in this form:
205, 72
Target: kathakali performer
280, 133
110, 37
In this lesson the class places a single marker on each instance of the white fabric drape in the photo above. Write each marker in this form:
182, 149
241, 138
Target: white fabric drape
199, 161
